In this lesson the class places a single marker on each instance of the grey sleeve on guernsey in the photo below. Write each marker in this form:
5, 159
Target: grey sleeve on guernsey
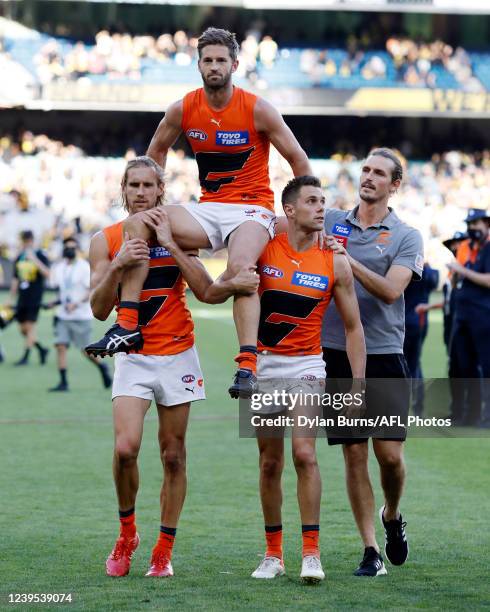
411, 253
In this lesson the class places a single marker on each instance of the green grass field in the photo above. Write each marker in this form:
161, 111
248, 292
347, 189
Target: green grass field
59, 514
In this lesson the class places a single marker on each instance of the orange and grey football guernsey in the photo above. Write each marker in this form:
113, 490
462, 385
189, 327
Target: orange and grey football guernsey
232, 157
165, 320
295, 290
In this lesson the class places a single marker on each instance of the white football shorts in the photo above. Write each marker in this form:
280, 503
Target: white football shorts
167, 379
295, 375
219, 220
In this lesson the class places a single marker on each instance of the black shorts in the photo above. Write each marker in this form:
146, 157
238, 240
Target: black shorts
395, 400
27, 313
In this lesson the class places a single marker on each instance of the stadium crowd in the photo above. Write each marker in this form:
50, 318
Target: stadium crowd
120, 55
58, 190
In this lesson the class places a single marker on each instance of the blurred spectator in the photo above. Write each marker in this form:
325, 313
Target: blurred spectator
73, 320
62, 184
26, 290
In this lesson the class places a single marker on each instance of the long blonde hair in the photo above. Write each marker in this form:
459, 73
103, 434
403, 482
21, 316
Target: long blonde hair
138, 162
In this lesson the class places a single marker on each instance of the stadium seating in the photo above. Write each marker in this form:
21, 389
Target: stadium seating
286, 71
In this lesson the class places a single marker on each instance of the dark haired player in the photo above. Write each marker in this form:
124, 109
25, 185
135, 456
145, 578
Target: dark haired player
297, 282
230, 132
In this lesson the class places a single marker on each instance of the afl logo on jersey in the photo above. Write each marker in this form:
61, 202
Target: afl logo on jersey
272, 272
196, 134
188, 378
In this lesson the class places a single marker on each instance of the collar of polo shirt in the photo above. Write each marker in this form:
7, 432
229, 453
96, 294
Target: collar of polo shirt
388, 222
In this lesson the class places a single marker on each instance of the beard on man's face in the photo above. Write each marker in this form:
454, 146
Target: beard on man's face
217, 83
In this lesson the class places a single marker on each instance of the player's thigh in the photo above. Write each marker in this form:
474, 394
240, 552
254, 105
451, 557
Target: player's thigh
246, 244
172, 423
186, 230
128, 415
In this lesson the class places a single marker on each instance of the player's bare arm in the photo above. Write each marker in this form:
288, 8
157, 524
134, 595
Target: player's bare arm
245, 282
387, 288
166, 133
348, 308
269, 121
105, 275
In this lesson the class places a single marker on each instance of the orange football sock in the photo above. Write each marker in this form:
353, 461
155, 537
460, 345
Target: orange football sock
127, 520
311, 540
127, 315
273, 538
247, 358
166, 539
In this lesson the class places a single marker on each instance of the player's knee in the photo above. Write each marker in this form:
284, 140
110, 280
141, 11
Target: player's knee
390, 460
304, 458
136, 228
271, 467
126, 451
355, 456
237, 263
173, 458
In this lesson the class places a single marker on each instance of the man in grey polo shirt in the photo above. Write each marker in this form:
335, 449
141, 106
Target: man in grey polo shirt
385, 254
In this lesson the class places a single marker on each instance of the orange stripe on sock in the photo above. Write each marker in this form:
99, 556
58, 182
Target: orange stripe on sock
274, 544
128, 318
165, 544
128, 525
311, 543
248, 361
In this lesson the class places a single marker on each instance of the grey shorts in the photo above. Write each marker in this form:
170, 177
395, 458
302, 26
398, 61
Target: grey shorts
73, 332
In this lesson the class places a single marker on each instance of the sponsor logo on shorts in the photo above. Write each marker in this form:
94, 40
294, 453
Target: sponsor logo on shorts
200, 382
196, 134
158, 252
188, 378
272, 272
264, 216
232, 139
341, 233
313, 281
308, 377
250, 212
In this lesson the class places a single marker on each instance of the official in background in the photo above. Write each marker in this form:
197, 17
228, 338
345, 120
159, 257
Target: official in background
464, 393
73, 320
385, 254
470, 348
31, 269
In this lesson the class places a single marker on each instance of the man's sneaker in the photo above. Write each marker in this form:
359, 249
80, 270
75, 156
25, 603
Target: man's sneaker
371, 564
270, 567
396, 545
244, 385
119, 561
311, 569
43, 355
117, 340
60, 387
160, 565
